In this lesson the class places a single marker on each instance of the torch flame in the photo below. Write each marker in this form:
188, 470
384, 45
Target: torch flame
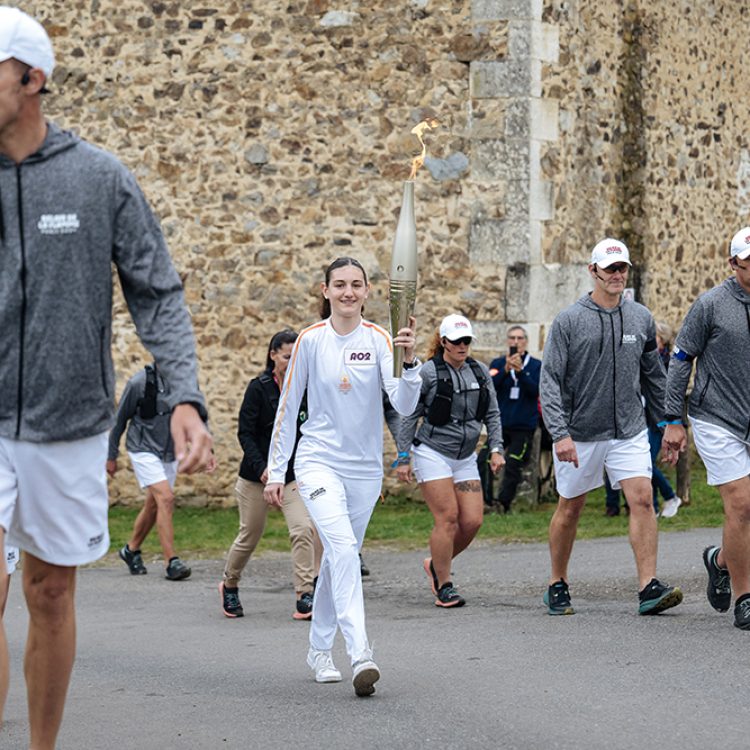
419, 130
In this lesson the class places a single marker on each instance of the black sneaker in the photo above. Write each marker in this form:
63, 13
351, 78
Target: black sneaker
230, 601
447, 596
719, 589
657, 597
177, 570
557, 599
742, 613
133, 560
363, 569
304, 607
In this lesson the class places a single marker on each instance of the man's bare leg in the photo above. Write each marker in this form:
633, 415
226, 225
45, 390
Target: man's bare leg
50, 647
562, 534
164, 499
735, 550
643, 529
144, 522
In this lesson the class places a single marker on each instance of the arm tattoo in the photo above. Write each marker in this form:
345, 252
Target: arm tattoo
470, 485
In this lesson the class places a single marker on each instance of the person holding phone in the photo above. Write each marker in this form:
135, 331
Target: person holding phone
516, 381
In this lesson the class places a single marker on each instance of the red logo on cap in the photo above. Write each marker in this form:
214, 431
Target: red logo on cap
613, 249
460, 324
747, 240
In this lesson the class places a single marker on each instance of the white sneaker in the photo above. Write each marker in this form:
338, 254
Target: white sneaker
670, 507
322, 663
366, 674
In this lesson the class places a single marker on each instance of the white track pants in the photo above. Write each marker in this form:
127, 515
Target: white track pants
341, 509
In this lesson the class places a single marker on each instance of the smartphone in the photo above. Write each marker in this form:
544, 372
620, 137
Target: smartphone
512, 350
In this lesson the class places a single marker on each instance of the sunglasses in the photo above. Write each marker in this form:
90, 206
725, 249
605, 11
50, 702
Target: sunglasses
736, 264
615, 268
465, 340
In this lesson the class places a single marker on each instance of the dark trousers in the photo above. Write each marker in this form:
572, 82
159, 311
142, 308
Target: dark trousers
517, 451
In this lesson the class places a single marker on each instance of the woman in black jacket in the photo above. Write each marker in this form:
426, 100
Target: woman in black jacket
256, 420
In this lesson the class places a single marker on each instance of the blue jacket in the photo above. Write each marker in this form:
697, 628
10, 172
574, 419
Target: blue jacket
521, 413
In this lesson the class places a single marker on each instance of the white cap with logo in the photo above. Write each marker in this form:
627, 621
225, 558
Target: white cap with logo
454, 327
23, 38
740, 247
610, 251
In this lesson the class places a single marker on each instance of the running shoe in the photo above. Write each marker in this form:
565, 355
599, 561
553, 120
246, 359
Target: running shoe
670, 507
133, 560
657, 597
230, 601
177, 570
363, 569
447, 596
427, 565
304, 607
719, 589
742, 613
321, 662
365, 675
557, 599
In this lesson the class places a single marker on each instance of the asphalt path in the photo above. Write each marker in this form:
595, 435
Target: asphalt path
160, 667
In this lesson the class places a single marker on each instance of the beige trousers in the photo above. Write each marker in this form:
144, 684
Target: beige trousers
306, 547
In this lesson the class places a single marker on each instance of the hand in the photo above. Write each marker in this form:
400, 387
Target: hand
673, 443
192, 440
112, 467
403, 472
264, 476
407, 339
273, 494
211, 465
565, 450
514, 363
497, 461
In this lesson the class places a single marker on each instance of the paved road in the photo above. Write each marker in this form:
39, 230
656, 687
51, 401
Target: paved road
159, 667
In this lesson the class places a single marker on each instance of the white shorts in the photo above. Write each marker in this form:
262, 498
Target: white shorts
53, 498
726, 456
430, 465
622, 459
150, 469
11, 558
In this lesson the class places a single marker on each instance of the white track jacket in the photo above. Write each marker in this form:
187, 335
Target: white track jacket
343, 376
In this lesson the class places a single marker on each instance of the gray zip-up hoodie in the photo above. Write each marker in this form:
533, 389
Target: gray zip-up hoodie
716, 332
67, 213
457, 439
144, 435
597, 362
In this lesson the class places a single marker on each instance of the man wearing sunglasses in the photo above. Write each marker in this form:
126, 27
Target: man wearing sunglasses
516, 380
601, 353
716, 334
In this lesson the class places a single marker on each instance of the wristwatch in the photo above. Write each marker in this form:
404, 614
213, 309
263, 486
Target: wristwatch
411, 365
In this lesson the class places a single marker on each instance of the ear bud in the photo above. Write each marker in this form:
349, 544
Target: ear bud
25, 78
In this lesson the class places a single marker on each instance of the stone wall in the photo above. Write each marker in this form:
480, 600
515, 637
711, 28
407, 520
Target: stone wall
272, 137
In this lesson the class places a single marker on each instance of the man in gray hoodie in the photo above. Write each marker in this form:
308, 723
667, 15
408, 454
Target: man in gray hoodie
716, 334
599, 359
68, 211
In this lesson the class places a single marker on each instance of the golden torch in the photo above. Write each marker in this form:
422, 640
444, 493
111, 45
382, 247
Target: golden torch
402, 292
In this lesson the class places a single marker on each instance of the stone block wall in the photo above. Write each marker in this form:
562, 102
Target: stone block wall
272, 137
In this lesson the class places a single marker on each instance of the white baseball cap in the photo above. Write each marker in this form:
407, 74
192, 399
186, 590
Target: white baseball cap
740, 247
610, 251
455, 327
25, 39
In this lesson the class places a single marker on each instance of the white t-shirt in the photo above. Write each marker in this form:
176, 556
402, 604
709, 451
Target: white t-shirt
344, 377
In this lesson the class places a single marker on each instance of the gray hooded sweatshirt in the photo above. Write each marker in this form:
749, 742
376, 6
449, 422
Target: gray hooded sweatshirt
597, 364
716, 332
144, 435
67, 214
459, 437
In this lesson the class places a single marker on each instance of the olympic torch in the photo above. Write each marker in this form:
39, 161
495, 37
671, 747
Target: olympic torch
402, 292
